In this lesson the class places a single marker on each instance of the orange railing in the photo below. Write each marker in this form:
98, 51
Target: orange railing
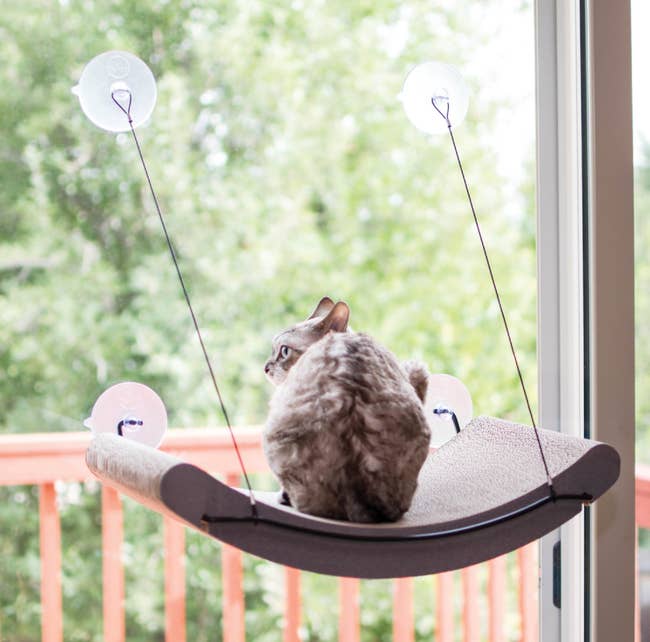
44, 459
642, 508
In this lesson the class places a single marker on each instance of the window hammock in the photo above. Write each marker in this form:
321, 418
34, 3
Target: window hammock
491, 489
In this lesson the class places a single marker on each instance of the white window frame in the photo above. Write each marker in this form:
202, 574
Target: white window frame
560, 310
586, 325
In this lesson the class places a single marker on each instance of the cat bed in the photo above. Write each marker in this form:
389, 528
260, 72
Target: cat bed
480, 495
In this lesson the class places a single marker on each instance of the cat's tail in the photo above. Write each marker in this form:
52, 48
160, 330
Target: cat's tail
418, 376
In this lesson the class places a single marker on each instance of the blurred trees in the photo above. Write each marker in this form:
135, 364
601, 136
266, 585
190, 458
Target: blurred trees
642, 304
286, 170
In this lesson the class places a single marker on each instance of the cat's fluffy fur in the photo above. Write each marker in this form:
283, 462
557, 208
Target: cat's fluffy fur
346, 433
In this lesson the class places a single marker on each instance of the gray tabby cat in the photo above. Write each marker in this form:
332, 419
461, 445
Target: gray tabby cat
346, 433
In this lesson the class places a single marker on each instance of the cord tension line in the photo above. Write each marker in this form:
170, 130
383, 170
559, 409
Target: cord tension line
127, 113
549, 479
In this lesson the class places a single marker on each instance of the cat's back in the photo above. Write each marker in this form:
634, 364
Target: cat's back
348, 381
349, 359
346, 432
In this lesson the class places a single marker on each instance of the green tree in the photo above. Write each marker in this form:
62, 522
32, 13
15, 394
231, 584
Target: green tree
642, 303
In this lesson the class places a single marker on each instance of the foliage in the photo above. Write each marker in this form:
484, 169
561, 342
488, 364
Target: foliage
287, 171
642, 303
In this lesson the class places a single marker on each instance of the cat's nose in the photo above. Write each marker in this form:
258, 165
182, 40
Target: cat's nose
267, 367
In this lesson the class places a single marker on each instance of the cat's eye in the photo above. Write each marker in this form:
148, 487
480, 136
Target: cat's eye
284, 351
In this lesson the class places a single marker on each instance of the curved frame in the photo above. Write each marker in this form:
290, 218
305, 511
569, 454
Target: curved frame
419, 544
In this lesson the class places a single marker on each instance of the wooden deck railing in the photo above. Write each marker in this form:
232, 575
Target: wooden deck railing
44, 459
642, 508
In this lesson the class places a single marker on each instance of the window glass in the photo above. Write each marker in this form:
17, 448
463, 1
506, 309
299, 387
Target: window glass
287, 171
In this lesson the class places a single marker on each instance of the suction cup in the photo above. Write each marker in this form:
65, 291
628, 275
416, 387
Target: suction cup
446, 394
131, 410
434, 92
116, 76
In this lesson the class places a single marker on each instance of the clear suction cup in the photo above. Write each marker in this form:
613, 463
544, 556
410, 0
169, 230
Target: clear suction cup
446, 394
114, 84
131, 410
434, 92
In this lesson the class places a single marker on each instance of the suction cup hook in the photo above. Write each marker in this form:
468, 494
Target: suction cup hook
131, 410
435, 97
447, 397
116, 89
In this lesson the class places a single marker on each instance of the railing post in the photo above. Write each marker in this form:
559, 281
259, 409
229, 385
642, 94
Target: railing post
403, 609
471, 622
50, 544
528, 576
174, 545
445, 607
291, 605
349, 610
496, 598
233, 594
112, 569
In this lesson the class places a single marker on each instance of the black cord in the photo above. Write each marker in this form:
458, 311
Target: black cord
207, 520
498, 297
127, 112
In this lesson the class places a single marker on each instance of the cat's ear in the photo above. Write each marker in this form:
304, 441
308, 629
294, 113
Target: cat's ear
323, 307
337, 318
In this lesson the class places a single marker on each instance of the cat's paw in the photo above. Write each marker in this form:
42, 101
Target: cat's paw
283, 498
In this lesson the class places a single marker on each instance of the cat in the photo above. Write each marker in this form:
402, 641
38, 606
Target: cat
346, 433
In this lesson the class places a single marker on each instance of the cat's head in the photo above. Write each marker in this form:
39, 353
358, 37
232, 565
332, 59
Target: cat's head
291, 344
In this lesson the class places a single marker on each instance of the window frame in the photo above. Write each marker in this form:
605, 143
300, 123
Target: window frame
586, 297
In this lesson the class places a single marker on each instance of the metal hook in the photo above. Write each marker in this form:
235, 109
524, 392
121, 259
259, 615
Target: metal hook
443, 410
127, 111
128, 421
445, 115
